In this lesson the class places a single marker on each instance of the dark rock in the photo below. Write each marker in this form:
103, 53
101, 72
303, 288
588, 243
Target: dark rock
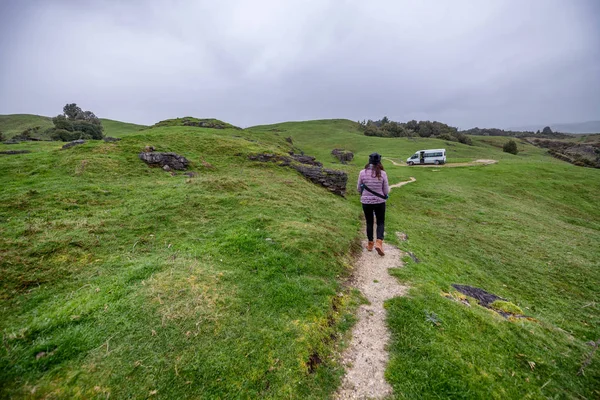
166, 168
172, 160
11, 141
308, 160
484, 298
343, 155
15, 152
73, 143
333, 180
109, 139
191, 174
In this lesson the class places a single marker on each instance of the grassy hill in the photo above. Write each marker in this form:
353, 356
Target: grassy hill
123, 280
526, 229
13, 124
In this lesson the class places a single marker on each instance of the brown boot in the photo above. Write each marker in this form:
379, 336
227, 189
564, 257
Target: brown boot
370, 245
379, 247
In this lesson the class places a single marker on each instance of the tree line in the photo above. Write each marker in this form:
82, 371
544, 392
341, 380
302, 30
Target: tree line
429, 129
544, 133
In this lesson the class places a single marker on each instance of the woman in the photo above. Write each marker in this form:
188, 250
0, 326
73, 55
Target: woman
373, 187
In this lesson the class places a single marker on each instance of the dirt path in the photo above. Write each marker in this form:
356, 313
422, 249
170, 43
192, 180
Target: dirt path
366, 357
397, 185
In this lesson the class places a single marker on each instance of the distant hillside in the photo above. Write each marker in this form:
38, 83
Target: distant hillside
197, 122
576, 127
13, 124
118, 128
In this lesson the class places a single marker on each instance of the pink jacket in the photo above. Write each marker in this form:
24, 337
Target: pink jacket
380, 186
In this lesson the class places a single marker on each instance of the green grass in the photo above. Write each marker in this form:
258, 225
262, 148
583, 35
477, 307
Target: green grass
119, 129
121, 279
14, 124
526, 229
200, 122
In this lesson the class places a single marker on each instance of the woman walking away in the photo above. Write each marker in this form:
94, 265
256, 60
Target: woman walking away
373, 187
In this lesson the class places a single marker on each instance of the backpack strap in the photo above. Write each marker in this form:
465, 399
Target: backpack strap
365, 187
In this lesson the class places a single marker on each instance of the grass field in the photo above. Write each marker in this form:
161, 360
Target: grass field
526, 229
121, 279
14, 124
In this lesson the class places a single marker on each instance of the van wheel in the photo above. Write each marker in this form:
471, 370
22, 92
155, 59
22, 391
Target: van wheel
437, 162
410, 163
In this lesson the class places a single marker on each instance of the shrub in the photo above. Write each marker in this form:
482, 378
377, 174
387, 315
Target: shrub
2, 137
464, 139
510, 147
75, 120
65, 135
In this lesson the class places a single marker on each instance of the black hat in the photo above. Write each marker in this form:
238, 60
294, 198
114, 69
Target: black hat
374, 158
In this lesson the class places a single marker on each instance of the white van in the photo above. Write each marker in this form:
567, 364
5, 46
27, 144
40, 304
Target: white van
433, 156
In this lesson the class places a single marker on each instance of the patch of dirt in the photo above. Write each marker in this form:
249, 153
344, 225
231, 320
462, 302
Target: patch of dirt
366, 357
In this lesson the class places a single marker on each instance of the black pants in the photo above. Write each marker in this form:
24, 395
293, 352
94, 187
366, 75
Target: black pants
379, 210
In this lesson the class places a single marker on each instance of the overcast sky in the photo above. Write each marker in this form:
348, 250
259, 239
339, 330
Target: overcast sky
492, 63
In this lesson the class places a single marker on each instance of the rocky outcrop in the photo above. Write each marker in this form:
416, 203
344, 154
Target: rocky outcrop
344, 156
168, 160
333, 180
304, 159
73, 143
580, 154
313, 170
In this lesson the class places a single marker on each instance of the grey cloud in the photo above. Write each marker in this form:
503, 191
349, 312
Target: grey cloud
493, 63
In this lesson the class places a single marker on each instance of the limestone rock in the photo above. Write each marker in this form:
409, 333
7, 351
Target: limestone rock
73, 143
171, 160
313, 170
343, 155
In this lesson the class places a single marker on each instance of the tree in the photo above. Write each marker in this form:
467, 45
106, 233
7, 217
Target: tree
510, 147
413, 125
78, 122
72, 110
385, 120
547, 131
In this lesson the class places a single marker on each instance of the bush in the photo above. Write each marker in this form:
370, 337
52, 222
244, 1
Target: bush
464, 139
445, 136
65, 135
2, 137
75, 120
93, 130
510, 147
